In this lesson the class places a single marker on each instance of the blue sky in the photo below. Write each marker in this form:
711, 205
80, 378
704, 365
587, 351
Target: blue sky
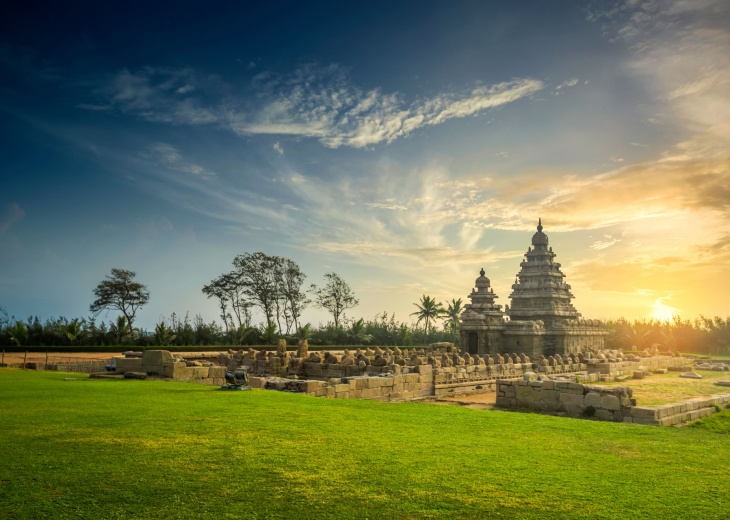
402, 146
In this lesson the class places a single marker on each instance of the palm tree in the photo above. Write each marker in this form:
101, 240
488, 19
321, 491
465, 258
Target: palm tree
636, 335
163, 334
357, 333
18, 334
73, 330
428, 309
452, 314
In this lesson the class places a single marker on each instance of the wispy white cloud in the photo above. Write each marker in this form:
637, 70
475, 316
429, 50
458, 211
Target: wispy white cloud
278, 148
569, 83
314, 101
170, 157
321, 102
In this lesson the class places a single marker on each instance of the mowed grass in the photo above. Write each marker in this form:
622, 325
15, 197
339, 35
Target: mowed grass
670, 388
102, 449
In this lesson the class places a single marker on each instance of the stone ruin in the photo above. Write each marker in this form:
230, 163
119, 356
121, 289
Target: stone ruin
541, 321
388, 374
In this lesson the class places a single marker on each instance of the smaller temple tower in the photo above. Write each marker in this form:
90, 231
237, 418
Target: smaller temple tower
482, 321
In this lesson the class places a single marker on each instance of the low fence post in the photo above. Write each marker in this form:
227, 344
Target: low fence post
25, 358
45, 365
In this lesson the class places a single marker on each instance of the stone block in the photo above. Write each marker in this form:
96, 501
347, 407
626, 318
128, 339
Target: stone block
691, 375
548, 385
571, 400
411, 378
217, 372
593, 399
342, 388
603, 415
640, 412
424, 369
155, 357
572, 391
135, 375
310, 387
128, 364
549, 396
610, 402
256, 382
525, 392
641, 420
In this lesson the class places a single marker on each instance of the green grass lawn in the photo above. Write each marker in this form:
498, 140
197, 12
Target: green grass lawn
102, 449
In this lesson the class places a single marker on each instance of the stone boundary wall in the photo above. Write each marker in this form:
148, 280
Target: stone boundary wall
621, 368
609, 403
386, 387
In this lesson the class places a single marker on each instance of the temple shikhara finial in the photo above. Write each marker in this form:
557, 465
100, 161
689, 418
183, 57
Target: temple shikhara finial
540, 320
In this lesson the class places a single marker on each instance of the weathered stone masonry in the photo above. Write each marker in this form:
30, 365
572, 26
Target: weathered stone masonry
600, 402
542, 320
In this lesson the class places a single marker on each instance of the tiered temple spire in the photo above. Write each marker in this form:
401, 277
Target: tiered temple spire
540, 293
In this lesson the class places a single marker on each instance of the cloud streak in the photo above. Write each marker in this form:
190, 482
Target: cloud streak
315, 101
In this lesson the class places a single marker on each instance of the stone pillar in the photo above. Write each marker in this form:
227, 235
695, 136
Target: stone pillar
281, 348
303, 351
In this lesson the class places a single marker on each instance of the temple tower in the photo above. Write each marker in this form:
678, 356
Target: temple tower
482, 321
539, 292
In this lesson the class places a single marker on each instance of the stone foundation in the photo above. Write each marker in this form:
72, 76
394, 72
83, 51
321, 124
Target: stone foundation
598, 402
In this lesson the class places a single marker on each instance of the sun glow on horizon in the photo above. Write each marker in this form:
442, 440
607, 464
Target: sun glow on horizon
663, 312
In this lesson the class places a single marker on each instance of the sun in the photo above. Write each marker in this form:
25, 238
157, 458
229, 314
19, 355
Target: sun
663, 312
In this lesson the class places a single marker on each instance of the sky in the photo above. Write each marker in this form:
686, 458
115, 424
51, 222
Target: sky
403, 145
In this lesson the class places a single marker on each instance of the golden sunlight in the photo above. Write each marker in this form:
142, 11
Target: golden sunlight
663, 312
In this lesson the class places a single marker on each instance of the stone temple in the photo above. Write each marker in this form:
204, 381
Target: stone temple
541, 321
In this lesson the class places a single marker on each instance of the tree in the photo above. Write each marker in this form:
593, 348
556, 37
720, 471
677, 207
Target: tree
73, 330
163, 334
452, 314
256, 274
336, 296
18, 333
290, 288
357, 333
229, 291
119, 291
428, 309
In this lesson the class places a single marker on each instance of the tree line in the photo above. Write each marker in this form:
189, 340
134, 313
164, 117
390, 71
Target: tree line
276, 286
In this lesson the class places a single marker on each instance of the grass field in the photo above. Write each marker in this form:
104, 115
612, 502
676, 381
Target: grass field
670, 388
102, 449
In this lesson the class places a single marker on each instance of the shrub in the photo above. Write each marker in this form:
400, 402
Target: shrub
589, 411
